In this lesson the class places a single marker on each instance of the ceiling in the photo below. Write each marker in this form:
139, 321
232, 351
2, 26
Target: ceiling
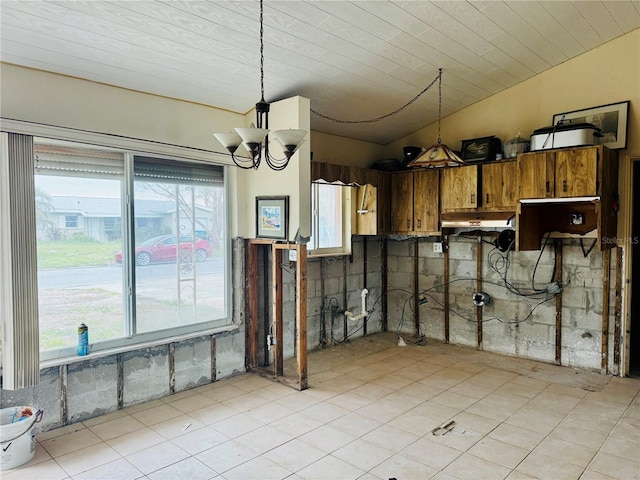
355, 60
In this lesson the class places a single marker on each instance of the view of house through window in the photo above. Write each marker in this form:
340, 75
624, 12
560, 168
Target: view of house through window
175, 269
330, 227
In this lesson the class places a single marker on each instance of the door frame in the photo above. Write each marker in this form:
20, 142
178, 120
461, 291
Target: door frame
625, 230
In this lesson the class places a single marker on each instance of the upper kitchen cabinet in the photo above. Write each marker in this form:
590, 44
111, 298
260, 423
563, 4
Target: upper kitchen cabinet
574, 172
500, 186
459, 188
572, 191
414, 202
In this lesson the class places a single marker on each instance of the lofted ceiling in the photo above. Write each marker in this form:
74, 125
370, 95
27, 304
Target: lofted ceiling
354, 60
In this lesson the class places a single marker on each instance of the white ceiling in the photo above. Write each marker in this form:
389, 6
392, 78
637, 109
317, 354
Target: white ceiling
355, 60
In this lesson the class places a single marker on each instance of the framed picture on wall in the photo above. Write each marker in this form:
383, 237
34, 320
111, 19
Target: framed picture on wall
272, 217
610, 119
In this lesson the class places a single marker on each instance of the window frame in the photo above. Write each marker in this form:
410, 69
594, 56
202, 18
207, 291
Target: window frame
348, 222
127, 224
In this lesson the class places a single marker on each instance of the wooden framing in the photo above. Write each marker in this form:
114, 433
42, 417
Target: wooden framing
617, 325
416, 286
385, 290
557, 243
606, 285
445, 248
252, 340
479, 255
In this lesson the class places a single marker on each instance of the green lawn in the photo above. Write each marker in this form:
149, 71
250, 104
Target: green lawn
76, 253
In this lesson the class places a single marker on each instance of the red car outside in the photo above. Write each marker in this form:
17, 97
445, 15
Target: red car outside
163, 249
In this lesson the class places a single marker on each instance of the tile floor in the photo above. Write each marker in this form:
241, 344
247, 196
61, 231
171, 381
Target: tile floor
369, 415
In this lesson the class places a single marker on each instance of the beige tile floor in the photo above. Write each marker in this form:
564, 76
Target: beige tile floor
369, 415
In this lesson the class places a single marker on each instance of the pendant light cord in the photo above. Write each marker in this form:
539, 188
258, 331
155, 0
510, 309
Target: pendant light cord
390, 114
261, 51
439, 103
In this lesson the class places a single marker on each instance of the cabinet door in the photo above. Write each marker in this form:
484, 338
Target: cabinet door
499, 186
402, 202
426, 184
576, 172
384, 203
459, 188
537, 177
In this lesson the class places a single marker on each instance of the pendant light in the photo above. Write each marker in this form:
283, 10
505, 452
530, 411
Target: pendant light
439, 155
256, 139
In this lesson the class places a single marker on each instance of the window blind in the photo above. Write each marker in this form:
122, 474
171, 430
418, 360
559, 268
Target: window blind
19, 294
162, 170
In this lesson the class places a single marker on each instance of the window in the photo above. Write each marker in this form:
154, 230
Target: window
132, 271
71, 221
330, 219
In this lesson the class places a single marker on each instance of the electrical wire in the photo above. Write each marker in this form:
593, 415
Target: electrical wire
381, 117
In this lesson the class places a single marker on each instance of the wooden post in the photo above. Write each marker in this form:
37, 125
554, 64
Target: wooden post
445, 248
301, 314
416, 286
276, 280
618, 312
251, 283
606, 285
557, 243
384, 287
364, 268
479, 254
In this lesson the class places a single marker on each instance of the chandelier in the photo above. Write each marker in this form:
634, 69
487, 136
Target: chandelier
256, 138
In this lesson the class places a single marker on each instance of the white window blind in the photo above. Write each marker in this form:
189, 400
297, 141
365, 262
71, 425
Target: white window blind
19, 294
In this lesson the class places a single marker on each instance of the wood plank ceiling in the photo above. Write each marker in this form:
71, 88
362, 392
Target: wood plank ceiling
354, 59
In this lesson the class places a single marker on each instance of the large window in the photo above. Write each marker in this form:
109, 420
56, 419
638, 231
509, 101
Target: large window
330, 219
131, 270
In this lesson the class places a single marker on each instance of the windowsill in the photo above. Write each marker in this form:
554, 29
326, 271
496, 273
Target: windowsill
311, 256
56, 362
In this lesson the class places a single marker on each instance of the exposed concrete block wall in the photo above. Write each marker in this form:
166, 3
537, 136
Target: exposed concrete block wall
512, 324
87, 388
335, 281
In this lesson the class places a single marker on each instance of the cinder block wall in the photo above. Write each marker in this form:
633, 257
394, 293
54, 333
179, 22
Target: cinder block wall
335, 281
91, 387
513, 324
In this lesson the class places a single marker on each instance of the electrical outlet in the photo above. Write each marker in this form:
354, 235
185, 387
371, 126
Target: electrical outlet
437, 247
293, 255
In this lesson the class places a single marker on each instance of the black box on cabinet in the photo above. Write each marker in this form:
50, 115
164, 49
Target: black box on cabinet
483, 149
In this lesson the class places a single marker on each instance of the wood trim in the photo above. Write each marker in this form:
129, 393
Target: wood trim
416, 286
385, 290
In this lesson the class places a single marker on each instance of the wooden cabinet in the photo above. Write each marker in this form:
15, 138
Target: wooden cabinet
562, 173
414, 202
556, 186
459, 188
373, 206
500, 186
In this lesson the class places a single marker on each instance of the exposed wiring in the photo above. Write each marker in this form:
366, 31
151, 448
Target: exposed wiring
587, 252
381, 117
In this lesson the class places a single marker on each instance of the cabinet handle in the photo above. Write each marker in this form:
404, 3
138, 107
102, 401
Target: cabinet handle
408, 224
487, 202
473, 198
564, 185
547, 186
419, 223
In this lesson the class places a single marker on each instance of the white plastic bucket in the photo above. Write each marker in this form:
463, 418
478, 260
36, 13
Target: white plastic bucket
17, 437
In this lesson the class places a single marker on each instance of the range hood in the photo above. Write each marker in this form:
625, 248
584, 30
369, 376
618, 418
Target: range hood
477, 219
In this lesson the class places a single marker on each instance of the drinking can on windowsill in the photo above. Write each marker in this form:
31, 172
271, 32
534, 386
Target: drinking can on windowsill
83, 340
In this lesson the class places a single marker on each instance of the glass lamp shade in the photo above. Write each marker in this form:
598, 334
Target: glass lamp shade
230, 141
439, 155
289, 138
252, 135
